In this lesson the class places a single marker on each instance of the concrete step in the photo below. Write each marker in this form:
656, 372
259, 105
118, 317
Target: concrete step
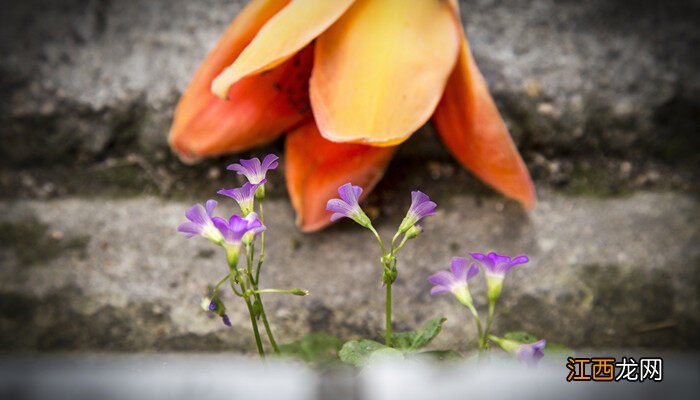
93, 273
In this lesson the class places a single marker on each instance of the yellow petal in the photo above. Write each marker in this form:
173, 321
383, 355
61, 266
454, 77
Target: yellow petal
380, 70
290, 30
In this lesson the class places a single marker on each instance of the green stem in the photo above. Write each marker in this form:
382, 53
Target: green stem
258, 342
388, 315
288, 291
484, 338
477, 320
379, 239
262, 245
224, 279
266, 324
256, 291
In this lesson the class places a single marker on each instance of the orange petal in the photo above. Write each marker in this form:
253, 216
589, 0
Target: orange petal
260, 107
380, 70
290, 30
471, 127
315, 168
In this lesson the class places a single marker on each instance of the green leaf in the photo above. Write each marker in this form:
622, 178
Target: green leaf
414, 340
429, 331
316, 348
403, 340
385, 353
521, 337
553, 349
356, 352
440, 355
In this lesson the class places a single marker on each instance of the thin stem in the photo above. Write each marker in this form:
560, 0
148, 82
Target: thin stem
381, 244
224, 279
492, 309
403, 242
262, 245
388, 315
393, 241
258, 342
266, 324
477, 320
288, 291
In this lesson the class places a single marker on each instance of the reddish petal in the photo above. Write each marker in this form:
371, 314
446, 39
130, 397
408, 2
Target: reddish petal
259, 108
472, 129
316, 167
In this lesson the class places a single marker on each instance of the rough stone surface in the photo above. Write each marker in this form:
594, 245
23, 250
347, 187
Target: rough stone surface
618, 272
81, 79
602, 98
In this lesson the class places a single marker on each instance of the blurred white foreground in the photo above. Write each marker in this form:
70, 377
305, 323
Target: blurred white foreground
213, 377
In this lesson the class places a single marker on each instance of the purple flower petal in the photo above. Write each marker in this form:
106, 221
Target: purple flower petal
253, 169
212, 305
226, 320
484, 260
473, 270
200, 221
531, 353
209, 207
442, 278
190, 228
269, 162
436, 290
347, 205
349, 193
459, 268
421, 206
197, 214
496, 264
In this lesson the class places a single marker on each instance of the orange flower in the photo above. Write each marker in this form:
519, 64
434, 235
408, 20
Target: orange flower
349, 80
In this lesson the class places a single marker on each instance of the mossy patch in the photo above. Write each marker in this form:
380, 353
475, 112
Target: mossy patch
32, 242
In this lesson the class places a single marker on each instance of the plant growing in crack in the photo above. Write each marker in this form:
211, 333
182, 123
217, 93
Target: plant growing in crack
525, 347
347, 206
237, 235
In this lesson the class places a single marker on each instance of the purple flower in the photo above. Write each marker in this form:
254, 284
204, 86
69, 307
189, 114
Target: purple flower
238, 229
531, 353
226, 320
212, 305
253, 169
497, 266
347, 205
455, 281
201, 223
244, 195
421, 206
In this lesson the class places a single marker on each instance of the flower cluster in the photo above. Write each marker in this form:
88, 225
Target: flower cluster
347, 206
236, 233
495, 267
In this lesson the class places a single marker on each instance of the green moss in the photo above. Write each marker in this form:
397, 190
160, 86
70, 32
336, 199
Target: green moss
31, 242
596, 182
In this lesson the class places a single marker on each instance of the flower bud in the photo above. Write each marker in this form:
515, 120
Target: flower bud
413, 232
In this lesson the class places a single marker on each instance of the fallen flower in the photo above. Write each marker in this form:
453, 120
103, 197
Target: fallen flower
371, 73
